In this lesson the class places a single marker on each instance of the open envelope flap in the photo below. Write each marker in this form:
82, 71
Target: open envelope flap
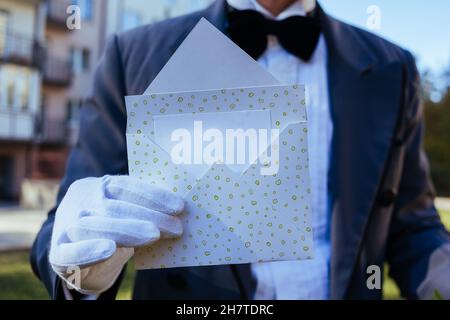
285, 102
208, 59
232, 218
286, 195
147, 161
209, 237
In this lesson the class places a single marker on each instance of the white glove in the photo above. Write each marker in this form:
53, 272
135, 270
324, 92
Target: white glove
101, 220
436, 284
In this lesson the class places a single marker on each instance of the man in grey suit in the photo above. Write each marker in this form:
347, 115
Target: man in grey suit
377, 180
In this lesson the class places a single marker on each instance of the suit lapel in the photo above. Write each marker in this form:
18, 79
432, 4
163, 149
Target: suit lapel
364, 97
216, 14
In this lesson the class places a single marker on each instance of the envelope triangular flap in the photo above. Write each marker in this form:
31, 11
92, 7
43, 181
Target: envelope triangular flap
147, 161
207, 59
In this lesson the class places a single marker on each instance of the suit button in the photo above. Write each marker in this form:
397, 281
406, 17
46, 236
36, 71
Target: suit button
387, 197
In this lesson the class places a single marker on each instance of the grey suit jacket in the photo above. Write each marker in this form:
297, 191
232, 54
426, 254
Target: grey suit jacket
379, 178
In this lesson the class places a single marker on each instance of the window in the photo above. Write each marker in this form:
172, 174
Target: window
10, 94
80, 60
3, 30
18, 88
73, 111
85, 59
22, 91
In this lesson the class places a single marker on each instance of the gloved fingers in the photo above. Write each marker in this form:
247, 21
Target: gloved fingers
436, 284
143, 194
170, 226
81, 254
124, 232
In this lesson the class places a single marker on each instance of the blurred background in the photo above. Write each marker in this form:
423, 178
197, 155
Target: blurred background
46, 68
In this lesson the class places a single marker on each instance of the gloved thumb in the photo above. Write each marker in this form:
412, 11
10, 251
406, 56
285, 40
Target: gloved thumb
81, 253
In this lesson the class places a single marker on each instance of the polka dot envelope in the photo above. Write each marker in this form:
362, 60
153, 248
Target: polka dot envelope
257, 212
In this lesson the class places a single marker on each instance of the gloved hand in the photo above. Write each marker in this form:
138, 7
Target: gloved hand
436, 285
101, 220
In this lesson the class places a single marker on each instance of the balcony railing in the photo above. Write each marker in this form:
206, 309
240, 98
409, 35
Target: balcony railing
16, 125
57, 72
20, 49
25, 126
56, 13
51, 131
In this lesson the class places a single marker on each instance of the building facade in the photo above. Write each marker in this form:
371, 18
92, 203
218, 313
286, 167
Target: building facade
21, 49
46, 72
70, 57
127, 14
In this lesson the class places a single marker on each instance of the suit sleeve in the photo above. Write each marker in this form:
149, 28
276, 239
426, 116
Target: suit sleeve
416, 230
100, 150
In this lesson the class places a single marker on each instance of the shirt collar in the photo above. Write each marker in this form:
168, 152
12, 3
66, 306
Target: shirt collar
295, 9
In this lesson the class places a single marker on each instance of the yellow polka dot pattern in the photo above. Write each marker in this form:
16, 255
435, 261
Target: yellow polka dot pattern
287, 104
228, 218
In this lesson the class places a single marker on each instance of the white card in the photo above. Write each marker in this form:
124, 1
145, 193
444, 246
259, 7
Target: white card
199, 126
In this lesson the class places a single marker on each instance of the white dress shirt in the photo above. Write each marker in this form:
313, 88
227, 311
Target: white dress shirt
306, 279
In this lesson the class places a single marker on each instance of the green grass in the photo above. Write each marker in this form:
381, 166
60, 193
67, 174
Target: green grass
390, 289
16, 279
18, 282
445, 217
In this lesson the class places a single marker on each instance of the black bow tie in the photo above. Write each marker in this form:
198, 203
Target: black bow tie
297, 34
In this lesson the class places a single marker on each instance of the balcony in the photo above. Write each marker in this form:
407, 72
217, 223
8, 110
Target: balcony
16, 125
56, 13
51, 131
57, 72
20, 49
